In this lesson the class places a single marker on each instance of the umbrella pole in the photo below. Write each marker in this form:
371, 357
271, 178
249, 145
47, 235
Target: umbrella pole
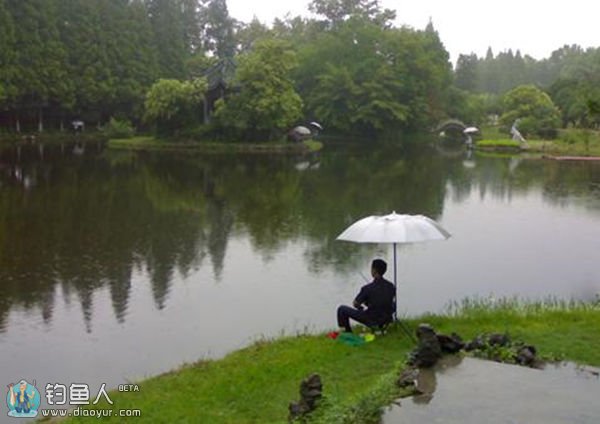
395, 287
402, 325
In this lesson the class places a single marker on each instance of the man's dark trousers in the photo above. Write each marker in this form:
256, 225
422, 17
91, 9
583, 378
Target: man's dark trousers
344, 313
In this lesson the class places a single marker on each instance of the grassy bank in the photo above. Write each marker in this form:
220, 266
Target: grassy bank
151, 143
570, 142
498, 145
51, 137
255, 385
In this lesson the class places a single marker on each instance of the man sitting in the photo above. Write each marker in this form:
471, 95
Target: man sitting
378, 296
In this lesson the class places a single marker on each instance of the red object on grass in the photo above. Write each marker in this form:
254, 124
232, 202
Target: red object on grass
333, 335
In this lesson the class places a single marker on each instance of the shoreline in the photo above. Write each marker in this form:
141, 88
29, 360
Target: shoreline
558, 155
548, 149
152, 144
149, 143
256, 383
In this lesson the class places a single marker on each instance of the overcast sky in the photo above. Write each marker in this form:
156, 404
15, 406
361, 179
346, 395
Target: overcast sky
532, 26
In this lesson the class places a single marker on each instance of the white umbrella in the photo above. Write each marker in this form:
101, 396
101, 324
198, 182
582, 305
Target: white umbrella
317, 125
394, 228
471, 130
301, 130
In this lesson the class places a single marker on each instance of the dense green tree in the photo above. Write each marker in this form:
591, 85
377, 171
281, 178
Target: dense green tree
197, 65
248, 34
498, 74
577, 89
266, 102
363, 78
568, 96
95, 59
436, 69
40, 78
192, 25
466, 106
336, 12
88, 64
465, 76
90, 59
172, 104
218, 29
111, 59
532, 107
132, 57
129, 53
7, 55
169, 36
297, 30
554, 67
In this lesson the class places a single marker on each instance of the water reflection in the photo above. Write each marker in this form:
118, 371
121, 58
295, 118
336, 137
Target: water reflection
468, 390
502, 176
76, 220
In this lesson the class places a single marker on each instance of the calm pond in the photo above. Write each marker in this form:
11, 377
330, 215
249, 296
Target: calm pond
119, 265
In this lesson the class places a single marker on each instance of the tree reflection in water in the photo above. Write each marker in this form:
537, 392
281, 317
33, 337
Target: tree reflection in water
79, 224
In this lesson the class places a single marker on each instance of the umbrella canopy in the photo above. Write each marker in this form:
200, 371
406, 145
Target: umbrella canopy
471, 130
394, 228
301, 130
317, 125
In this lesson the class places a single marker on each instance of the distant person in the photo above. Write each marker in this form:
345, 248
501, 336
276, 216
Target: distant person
78, 126
379, 298
469, 141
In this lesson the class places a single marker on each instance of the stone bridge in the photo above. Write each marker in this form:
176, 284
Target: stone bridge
450, 125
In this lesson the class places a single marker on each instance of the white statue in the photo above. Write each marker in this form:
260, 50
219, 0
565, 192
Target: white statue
516, 134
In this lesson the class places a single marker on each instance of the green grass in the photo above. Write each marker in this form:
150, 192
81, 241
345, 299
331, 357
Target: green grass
152, 143
499, 143
492, 133
255, 384
313, 145
570, 142
51, 137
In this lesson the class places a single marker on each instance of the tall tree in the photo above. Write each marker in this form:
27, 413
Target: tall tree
192, 25
84, 35
465, 75
266, 103
363, 78
7, 55
438, 70
248, 34
336, 12
169, 36
41, 79
218, 29
131, 55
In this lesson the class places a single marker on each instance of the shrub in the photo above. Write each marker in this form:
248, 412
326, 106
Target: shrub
578, 136
118, 129
532, 107
548, 133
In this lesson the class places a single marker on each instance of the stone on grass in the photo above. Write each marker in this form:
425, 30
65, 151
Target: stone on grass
450, 344
526, 355
497, 339
408, 377
476, 344
428, 351
311, 390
